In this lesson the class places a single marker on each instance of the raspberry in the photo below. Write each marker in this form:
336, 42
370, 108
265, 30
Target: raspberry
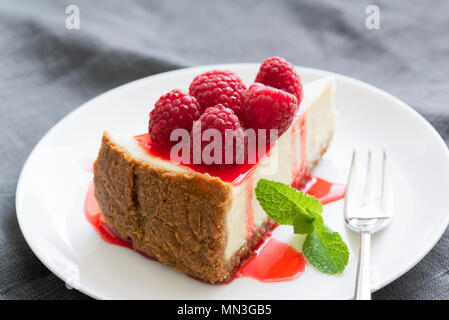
173, 110
266, 107
279, 73
218, 87
222, 119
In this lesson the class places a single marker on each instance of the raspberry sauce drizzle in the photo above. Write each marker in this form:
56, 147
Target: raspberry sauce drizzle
273, 261
93, 216
325, 191
321, 189
249, 194
235, 175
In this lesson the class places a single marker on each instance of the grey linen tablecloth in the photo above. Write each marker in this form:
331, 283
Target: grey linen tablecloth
47, 71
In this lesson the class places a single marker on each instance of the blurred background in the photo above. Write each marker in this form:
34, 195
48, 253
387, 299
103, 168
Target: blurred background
50, 64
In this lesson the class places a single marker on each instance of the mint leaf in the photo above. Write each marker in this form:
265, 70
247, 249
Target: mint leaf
285, 204
326, 250
305, 225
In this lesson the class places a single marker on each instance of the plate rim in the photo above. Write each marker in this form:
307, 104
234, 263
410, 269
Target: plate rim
351, 80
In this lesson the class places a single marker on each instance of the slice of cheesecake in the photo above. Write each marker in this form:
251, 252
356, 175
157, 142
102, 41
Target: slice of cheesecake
201, 224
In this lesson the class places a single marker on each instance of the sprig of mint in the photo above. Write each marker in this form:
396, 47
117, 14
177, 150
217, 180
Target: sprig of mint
323, 248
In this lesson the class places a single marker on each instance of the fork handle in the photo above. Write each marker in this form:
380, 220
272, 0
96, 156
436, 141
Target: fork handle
362, 285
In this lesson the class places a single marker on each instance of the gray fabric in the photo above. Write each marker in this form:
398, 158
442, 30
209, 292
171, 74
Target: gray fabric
47, 71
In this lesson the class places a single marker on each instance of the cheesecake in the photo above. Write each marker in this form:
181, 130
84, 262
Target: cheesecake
203, 223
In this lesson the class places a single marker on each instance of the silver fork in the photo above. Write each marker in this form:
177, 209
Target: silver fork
366, 214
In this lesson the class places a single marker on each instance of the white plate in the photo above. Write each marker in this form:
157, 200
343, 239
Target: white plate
54, 181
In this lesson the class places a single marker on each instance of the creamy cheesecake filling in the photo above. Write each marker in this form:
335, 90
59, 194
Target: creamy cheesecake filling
287, 157
320, 121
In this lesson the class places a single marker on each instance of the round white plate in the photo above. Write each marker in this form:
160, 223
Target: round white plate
54, 181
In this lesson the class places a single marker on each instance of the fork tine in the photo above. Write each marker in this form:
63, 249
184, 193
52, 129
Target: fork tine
351, 182
367, 197
384, 178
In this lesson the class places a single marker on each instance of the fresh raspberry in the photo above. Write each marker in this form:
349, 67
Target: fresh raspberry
173, 110
224, 120
267, 108
279, 73
218, 87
